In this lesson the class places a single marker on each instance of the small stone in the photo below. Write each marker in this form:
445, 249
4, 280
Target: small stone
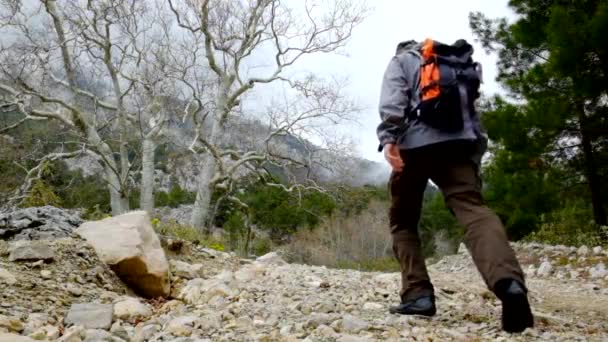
74, 290
131, 310
462, 248
7, 277
145, 333
185, 270
6, 337
94, 335
46, 274
90, 316
583, 251
326, 331
11, 324
598, 272
545, 269
597, 250
24, 250
372, 306
181, 326
352, 338
72, 334
119, 331
52, 332
353, 324
286, 330
316, 319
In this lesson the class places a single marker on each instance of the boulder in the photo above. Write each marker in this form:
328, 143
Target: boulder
129, 245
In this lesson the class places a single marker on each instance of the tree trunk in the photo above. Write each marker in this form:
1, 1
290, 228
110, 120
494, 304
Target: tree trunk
599, 214
118, 201
146, 199
202, 205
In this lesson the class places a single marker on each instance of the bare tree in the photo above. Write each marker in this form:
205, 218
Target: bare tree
233, 33
52, 52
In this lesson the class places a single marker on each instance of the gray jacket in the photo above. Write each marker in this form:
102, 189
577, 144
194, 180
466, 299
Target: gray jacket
400, 93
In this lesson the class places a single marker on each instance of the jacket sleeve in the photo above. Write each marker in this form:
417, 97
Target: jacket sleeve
394, 100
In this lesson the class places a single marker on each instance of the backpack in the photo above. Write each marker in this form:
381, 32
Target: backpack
449, 85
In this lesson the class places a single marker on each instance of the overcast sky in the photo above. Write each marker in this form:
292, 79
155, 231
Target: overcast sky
373, 44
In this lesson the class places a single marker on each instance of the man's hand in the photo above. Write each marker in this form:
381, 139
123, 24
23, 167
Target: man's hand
393, 157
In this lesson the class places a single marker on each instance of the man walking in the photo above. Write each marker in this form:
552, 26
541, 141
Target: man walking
430, 130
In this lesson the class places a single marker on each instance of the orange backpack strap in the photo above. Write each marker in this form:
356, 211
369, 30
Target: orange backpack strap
429, 71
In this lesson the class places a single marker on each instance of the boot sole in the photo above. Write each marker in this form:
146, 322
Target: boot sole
516, 314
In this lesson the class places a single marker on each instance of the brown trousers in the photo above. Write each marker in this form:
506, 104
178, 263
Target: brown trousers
450, 167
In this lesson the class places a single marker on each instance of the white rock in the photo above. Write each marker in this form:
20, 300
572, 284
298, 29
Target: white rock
24, 250
598, 272
182, 326
369, 306
316, 319
46, 274
583, 251
545, 269
145, 333
6, 337
96, 335
201, 291
72, 334
286, 330
130, 246
7, 277
185, 270
326, 331
597, 250
353, 324
352, 338
131, 310
90, 316
46, 332
249, 273
272, 258
462, 248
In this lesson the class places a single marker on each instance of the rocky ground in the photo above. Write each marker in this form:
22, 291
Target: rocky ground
59, 290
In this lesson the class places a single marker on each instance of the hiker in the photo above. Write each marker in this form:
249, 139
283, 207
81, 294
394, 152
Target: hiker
430, 130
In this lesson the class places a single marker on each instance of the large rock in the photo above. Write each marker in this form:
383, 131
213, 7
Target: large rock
130, 246
38, 223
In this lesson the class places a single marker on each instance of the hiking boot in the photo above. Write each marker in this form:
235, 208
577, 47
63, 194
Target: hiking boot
424, 306
516, 313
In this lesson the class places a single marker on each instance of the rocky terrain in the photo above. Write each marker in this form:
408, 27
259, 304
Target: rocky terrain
59, 290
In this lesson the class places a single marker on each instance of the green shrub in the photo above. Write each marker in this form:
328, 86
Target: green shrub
174, 198
571, 225
41, 194
173, 229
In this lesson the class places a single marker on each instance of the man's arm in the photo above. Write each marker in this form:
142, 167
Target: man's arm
394, 99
